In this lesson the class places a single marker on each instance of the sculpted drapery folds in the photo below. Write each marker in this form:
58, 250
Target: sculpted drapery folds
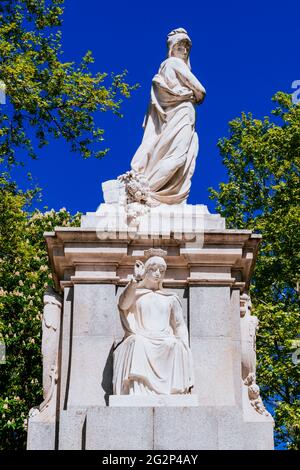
154, 356
50, 350
249, 327
167, 154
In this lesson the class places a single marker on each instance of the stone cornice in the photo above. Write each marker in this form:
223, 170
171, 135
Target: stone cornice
70, 249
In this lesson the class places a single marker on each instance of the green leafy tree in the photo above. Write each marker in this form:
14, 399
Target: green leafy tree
24, 277
262, 193
47, 97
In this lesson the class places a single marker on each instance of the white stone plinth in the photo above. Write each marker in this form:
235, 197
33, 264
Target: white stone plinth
119, 428
153, 401
162, 220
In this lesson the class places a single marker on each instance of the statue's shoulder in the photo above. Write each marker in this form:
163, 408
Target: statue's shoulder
175, 62
176, 299
170, 62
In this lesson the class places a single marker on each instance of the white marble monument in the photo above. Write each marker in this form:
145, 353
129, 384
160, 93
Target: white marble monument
150, 329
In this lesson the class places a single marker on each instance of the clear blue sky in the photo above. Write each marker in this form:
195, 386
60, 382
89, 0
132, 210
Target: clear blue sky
243, 52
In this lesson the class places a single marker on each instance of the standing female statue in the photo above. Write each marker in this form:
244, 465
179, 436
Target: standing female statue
165, 160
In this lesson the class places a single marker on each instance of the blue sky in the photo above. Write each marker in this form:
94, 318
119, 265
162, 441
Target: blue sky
243, 52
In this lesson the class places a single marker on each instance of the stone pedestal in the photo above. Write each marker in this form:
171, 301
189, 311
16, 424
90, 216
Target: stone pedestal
209, 267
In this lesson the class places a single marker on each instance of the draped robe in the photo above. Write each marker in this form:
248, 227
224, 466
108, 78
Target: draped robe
154, 356
169, 147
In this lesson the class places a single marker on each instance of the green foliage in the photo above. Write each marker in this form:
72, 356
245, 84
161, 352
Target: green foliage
262, 158
24, 276
48, 97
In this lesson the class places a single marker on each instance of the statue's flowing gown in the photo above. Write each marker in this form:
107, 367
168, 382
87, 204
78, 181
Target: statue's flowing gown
154, 356
169, 147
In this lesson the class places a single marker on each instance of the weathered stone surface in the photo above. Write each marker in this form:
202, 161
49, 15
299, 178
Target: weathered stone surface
163, 220
153, 400
213, 369
235, 319
72, 429
163, 428
236, 370
91, 371
185, 428
95, 310
210, 311
230, 428
66, 342
236, 342
119, 428
41, 435
258, 436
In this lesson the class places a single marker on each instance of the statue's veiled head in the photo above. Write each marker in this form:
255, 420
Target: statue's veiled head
179, 44
153, 271
155, 268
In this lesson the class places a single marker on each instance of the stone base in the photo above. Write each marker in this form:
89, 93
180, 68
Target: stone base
153, 401
72, 429
208, 267
41, 435
163, 220
163, 428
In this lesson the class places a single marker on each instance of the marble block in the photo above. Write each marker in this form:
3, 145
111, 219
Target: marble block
41, 435
113, 191
71, 429
213, 369
157, 221
91, 371
119, 428
153, 401
185, 428
258, 436
152, 428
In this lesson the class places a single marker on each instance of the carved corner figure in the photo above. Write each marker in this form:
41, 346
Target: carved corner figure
50, 345
154, 356
249, 327
163, 165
